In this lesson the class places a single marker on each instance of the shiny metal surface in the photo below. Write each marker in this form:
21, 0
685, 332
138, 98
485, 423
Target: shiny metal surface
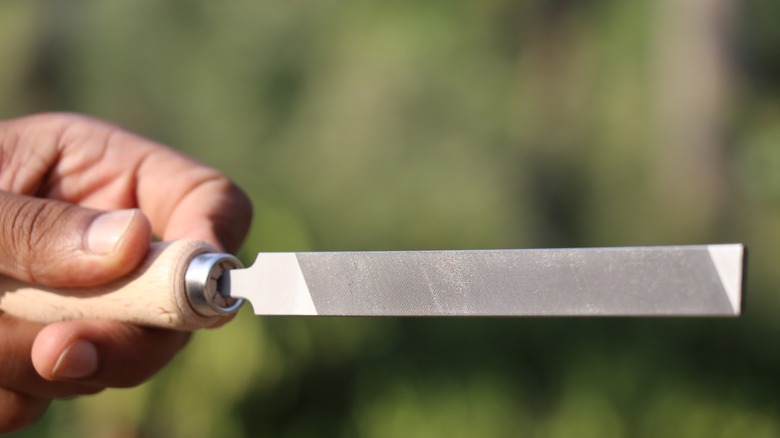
202, 284
632, 281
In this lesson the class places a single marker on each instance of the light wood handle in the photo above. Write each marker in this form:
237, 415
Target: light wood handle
153, 295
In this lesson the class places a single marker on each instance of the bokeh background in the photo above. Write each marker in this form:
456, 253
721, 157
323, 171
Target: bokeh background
420, 124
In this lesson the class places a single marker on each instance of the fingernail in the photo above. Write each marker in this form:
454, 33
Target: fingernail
107, 230
78, 361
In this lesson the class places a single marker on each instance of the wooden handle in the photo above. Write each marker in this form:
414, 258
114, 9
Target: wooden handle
154, 295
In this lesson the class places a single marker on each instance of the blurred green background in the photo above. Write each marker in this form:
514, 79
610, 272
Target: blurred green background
444, 124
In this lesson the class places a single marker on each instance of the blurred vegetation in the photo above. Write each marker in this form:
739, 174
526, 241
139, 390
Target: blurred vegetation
444, 124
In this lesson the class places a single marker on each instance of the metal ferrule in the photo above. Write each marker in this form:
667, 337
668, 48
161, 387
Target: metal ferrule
207, 295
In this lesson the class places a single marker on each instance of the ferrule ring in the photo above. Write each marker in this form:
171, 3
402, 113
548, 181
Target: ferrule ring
201, 282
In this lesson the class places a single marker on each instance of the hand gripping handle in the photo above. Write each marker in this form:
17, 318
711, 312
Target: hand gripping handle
175, 287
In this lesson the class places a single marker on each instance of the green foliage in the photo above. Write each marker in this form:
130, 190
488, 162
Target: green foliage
432, 124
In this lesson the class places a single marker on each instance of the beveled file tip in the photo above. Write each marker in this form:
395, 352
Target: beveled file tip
729, 260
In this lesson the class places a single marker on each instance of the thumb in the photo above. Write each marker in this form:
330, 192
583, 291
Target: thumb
54, 243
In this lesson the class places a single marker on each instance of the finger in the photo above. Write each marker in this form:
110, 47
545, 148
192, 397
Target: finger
201, 203
17, 372
59, 244
97, 164
18, 411
103, 353
198, 202
216, 211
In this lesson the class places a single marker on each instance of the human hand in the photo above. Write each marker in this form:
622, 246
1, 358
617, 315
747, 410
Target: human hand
79, 202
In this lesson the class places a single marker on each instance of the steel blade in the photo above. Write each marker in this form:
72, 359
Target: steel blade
633, 281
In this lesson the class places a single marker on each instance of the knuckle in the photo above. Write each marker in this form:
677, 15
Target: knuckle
26, 159
30, 228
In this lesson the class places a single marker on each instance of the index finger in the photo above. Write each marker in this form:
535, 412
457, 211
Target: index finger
103, 166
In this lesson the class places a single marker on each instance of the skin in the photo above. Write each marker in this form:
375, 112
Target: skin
59, 175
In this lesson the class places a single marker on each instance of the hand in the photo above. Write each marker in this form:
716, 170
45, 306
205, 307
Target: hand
79, 202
